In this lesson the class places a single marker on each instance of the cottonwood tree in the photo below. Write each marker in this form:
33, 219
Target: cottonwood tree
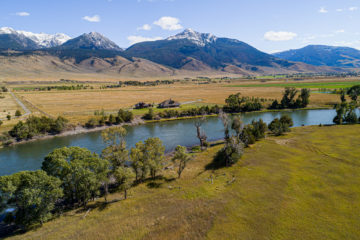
125, 177
154, 154
80, 171
147, 157
201, 135
33, 195
137, 161
181, 157
115, 152
354, 92
233, 147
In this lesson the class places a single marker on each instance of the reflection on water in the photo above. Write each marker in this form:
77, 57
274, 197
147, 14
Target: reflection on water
29, 156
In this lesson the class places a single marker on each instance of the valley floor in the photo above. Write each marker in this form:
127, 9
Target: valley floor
304, 185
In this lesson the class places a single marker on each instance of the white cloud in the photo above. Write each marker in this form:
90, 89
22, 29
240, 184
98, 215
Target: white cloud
353, 8
339, 10
22, 14
137, 39
95, 18
340, 31
169, 23
145, 27
323, 10
279, 36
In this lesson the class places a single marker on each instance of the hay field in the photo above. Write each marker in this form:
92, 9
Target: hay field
78, 105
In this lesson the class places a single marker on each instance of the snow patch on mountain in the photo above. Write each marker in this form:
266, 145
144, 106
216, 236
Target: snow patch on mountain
200, 39
42, 39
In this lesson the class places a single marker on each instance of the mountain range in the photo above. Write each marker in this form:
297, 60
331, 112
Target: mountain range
321, 55
185, 54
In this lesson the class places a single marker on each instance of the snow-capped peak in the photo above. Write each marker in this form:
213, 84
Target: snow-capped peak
99, 41
42, 39
200, 39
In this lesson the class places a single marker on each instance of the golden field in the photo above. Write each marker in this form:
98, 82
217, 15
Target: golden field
79, 105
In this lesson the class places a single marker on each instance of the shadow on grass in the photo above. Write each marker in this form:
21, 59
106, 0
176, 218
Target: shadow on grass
150, 181
154, 185
217, 162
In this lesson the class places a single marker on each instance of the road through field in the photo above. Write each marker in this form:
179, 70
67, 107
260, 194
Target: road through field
22, 105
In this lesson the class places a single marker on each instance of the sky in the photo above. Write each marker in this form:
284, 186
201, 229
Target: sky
268, 25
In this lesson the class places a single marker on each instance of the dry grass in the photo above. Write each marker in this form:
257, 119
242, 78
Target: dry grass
79, 105
305, 186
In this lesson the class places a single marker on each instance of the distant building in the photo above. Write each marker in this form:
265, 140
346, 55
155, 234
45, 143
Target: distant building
169, 104
141, 105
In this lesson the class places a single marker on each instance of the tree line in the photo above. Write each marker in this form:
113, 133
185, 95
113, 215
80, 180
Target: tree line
289, 101
49, 88
123, 116
35, 126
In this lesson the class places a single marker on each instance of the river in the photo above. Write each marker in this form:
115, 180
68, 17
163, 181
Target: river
29, 156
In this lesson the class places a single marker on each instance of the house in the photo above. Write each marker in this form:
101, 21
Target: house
169, 104
142, 105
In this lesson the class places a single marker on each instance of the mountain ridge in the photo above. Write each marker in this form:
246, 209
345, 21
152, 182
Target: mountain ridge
323, 55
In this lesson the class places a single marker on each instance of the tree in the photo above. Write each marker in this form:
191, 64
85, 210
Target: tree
237, 125
304, 98
201, 135
354, 92
137, 161
230, 153
17, 113
8, 117
33, 194
154, 154
125, 178
182, 157
80, 171
1, 122
115, 152
288, 98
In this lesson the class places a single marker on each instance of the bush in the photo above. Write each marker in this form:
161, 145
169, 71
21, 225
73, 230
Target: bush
253, 132
229, 154
150, 115
280, 126
125, 116
91, 123
17, 113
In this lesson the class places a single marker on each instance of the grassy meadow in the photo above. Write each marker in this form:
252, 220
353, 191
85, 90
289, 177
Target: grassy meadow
304, 185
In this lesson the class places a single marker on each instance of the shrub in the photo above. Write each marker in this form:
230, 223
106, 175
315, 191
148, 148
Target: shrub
280, 126
91, 123
150, 115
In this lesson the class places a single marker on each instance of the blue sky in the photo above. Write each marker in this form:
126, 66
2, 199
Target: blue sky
267, 25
